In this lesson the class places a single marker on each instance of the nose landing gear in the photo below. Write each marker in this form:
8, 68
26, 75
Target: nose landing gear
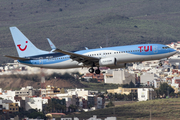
160, 64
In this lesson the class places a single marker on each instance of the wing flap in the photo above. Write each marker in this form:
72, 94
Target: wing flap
75, 55
87, 60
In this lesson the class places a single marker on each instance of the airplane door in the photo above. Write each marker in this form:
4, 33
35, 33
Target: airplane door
155, 49
40, 60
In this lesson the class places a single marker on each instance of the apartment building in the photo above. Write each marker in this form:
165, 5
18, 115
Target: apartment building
99, 77
13, 107
27, 91
146, 94
119, 77
121, 90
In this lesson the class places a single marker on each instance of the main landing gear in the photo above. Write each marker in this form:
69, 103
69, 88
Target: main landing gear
97, 71
91, 70
160, 64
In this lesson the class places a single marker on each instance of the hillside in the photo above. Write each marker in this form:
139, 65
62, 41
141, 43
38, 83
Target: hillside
161, 109
17, 83
74, 24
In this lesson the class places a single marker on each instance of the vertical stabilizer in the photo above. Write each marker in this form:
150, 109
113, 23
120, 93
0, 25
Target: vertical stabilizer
24, 46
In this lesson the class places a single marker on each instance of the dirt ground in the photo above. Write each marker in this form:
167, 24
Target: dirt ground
14, 83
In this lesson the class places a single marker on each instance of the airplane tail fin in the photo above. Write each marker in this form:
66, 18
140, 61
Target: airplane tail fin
24, 46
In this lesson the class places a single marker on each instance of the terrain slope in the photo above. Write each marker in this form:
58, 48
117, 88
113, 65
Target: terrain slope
17, 83
161, 109
75, 24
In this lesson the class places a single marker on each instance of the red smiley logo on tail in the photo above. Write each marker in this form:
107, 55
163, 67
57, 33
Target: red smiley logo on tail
22, 49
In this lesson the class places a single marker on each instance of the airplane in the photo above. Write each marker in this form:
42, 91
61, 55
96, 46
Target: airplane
111, 57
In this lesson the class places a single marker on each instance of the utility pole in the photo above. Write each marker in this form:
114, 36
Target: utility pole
132, 96
114, 106
150, 106
168, 91
150, 114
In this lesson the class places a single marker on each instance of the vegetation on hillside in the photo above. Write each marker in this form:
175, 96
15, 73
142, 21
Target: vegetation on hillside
166, 109
74, 24
37, 77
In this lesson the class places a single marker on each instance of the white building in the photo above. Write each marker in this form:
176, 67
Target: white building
78, 92
100, 103
34, 103
146, 94
119, 77
8, 95
157, 83
147, 79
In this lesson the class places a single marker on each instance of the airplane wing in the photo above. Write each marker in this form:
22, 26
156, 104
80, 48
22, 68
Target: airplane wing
16, 58
86, 60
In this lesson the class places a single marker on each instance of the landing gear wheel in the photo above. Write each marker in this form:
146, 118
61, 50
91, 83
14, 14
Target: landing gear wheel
160, 64
91, 70
97, 71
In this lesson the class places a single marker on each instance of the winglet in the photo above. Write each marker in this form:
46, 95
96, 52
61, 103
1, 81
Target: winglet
86, 48
53, 47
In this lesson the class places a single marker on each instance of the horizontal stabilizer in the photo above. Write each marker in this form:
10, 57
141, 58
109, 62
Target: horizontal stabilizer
16, 58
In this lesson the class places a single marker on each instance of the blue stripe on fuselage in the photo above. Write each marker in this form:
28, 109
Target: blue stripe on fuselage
52, 58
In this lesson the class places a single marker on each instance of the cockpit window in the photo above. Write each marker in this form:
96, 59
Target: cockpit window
165, 47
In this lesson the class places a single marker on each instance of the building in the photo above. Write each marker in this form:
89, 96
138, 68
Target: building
176, 84
99, 77
27, 91
121, 90
35, 103
13, 107
147, 79
78, 92
146, 94
52, 91
92, 101
119, 77
100, 103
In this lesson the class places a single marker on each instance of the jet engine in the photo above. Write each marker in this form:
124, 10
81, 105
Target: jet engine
111, 62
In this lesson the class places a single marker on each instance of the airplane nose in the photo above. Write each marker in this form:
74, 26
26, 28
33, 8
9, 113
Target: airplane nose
173, 50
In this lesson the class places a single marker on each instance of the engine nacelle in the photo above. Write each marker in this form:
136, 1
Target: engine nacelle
107, 62
111, 63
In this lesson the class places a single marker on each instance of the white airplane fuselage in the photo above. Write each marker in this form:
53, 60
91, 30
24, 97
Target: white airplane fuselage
122, 54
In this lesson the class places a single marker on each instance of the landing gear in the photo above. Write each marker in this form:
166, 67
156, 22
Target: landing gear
97, 71
91, 70
160, 64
